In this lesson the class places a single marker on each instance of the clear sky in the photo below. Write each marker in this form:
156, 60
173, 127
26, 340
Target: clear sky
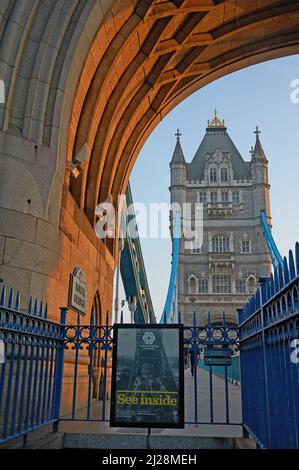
259, 95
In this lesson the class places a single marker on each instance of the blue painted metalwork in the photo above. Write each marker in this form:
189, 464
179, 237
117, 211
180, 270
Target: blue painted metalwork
98, 339
196, 340
31, 376
170, 312
275, 255
132, 267
269, 322
86, 341
31, 379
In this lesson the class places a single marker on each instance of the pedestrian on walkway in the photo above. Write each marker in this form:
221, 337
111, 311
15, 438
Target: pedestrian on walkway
192, 360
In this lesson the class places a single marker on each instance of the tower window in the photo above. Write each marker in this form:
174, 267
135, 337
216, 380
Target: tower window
202, 197
220, 244
213, 197
236, 197
213, 175
245, 246
203, 286
224, 197
224, 175
222, 284
240, 286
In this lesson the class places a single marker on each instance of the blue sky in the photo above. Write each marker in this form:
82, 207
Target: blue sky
258, 95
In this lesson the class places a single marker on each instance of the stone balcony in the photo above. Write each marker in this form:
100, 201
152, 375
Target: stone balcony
222, 210
219, 260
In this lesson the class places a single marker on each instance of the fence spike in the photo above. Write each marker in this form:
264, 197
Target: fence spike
107, 318
297, 257
3, 295
292, 265
209, 318
194, 319
41, 310
276, 281
46, 312
29, 310
272, 287
286, 273
179, 317
268, 288
17, 304
10, 299
35, 308
121, 317
280, 277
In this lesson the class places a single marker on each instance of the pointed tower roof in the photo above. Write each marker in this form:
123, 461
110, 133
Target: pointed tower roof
216, 137
178, 155
258, 151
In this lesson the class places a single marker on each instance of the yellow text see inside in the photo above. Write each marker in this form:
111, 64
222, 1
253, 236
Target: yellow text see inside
160, 400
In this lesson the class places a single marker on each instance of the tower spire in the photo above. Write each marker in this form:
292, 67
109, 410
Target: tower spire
178, 155
258, 151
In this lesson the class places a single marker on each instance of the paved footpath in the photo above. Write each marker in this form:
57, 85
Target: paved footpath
203, 400
191, 430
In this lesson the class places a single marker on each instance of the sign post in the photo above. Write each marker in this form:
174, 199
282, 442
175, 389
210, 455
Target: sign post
148, 376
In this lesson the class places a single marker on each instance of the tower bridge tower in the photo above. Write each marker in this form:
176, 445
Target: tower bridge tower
223, 272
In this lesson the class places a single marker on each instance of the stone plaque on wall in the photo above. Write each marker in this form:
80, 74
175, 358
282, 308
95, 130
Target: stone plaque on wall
78, 291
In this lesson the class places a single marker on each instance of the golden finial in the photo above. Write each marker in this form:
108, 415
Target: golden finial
216, 122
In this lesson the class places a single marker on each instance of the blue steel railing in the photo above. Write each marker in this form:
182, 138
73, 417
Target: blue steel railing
30, 377
34, 391
196, 340
170, 313
269, 323
274, 253
91, 345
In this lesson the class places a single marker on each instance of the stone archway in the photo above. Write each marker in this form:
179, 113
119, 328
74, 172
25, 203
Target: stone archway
102, 72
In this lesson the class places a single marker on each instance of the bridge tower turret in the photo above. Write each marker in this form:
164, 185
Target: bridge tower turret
178, 177
178, 171
259, 171
261, 195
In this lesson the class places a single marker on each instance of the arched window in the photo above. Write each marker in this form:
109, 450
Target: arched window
220, 244
224, 175
213, 175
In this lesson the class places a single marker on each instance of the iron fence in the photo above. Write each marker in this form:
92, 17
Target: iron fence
55, 372
90, 353
30, 376
269, 323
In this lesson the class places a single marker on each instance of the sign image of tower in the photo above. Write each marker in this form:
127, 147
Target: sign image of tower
221, 274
